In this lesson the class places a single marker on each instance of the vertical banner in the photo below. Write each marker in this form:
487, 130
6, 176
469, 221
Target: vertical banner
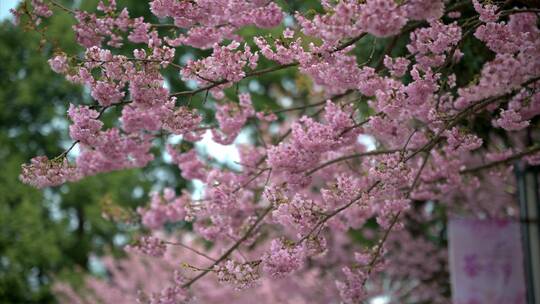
486, 262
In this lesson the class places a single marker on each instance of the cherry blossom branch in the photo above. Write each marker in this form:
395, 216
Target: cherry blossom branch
520, 10
163, 25
231, 249
252, 74
65, 153
62, 7
317, 104
516, 156
473, 108
393, 222
465, 171
252, 177
224, 81
404, 149
193, 267
190, 249
426, 148
348, 43
320, 103
245, 184
289, 130
336, 211
73, 144
250, 180
137, 59
265, 70
352, 156
363, 122
474, 25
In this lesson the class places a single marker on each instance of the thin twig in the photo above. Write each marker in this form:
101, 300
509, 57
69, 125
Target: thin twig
250, 180
190, 249
513, 157
62, 7
348, 43
347, 157
300, 107
393, 222
336, 211
231, 249
473, 108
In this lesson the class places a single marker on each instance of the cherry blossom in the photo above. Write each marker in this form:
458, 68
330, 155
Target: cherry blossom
352, 162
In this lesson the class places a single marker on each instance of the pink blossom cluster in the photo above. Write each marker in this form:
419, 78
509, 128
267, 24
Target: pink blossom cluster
128, 282
42, 172
149, 245
231, 118
397, 66
351, 290
209, 22
239, 275
41, 9
282, 258
519, 34
300, 213
310, 139
488, 12
286, 51
512, 65
382, 18
163, 208
340, 21
424, 9
226, 211
346, 188
86, 124
460, 142
92, 30
430, 44
226, 64
521, 108
183, 121
114, 151
190, 165
59, 63
336, 73
175, 293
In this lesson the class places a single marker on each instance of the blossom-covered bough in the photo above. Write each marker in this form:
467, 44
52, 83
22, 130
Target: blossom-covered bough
316, 213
